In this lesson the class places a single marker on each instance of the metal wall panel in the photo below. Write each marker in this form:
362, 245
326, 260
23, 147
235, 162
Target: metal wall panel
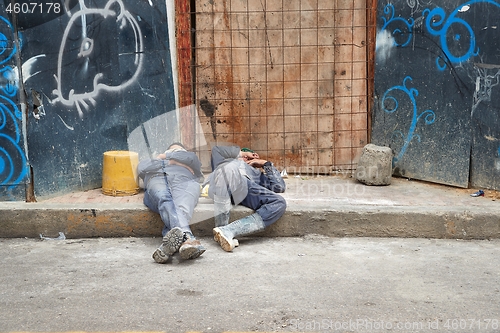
286, 78
13, 158
94, 72
422, 103
435, 87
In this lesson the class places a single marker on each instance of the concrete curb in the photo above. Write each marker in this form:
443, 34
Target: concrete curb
89, 220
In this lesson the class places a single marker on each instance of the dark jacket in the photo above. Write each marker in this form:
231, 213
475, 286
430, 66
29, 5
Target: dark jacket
270, 178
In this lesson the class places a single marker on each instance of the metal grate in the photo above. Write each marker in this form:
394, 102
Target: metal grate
288, 78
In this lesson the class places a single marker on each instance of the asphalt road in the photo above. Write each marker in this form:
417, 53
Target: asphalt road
308, 284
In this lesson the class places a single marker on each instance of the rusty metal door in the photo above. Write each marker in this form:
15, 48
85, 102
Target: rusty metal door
288, 78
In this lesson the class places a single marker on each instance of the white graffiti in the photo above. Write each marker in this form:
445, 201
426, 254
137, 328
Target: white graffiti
97, 84
385, 46
29, 65
416, 4
484, 83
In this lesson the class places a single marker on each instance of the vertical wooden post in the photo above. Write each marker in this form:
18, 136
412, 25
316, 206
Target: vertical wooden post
184, 68
371, 31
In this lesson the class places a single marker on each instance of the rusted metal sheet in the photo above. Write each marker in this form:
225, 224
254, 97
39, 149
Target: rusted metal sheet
288, 79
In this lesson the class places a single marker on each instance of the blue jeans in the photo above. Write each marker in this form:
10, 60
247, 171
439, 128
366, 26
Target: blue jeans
269, 205
174, 198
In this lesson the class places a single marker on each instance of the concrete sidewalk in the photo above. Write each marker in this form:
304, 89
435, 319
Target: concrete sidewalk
332, 206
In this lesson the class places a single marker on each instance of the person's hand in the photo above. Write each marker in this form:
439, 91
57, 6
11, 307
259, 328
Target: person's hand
247, 156
161, 156
256, 162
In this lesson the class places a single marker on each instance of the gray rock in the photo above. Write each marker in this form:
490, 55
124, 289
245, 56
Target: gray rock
375, 165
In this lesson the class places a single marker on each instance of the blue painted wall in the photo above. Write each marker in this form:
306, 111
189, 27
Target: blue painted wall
13, 163
437, 89
92, 72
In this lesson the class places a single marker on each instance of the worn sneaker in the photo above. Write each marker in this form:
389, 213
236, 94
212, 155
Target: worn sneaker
171, 244
227, 244
191, 249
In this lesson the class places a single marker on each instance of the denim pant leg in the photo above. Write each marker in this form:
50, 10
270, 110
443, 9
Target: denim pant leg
269, 205
186, 194
158, 198
227, 182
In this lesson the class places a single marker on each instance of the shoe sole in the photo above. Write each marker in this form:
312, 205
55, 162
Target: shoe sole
160, 257
173, 240
225, 243
191, 252
171, 244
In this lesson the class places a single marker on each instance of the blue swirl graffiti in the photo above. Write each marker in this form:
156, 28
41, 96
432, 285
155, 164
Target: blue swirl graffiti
408, 25
438, 24
429, 115
6, 114
7, 48
12, 158
8, 81
13, 161
10, 162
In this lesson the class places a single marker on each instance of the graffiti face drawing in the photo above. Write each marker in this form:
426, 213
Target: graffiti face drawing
81, 72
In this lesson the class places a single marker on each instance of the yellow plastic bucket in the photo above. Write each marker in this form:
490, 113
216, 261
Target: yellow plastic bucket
119, 173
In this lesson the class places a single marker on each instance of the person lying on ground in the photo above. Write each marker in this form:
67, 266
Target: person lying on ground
241, 177
172, 189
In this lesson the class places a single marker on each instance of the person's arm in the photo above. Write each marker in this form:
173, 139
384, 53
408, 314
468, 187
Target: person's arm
188, 159
148, 166
222, 153
271, 177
